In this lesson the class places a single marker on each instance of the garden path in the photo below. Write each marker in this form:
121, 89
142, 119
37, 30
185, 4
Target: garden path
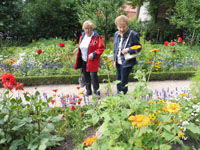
159, 86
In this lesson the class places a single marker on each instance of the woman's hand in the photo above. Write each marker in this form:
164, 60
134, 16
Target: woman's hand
91, 56
124, 51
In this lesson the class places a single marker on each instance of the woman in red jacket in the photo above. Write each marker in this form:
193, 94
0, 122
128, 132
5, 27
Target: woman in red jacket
88, 56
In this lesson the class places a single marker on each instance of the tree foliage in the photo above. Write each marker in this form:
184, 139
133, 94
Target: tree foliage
186, 14
102, 13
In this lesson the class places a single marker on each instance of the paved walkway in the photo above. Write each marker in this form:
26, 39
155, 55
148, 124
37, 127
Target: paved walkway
160, 86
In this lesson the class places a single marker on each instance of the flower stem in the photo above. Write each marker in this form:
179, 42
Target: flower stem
136, 135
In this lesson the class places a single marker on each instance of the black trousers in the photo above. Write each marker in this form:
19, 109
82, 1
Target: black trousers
122, 74
90, 77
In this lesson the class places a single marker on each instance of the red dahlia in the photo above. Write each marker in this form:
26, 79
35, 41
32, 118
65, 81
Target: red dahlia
8, 80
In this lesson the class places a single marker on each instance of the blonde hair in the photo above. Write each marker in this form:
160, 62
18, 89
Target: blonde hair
88, 23
121, 19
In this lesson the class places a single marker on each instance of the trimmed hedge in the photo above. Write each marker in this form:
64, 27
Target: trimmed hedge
73, 79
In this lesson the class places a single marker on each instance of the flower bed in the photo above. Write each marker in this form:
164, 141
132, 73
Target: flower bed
135, 120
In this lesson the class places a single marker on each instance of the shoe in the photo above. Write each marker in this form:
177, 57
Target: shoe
88, 93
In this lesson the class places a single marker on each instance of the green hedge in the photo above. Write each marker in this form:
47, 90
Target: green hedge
69, 79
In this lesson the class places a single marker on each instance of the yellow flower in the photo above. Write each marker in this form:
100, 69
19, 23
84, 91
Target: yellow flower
136, 47
183, 95
155, 50
152, 116
173, 108
82, 92
181, 134
89, 141
139, 120
183, 42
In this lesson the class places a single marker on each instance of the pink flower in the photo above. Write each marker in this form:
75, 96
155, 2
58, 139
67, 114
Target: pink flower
173, 43
166, 43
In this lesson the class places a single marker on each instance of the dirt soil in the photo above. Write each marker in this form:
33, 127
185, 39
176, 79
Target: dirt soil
69, 144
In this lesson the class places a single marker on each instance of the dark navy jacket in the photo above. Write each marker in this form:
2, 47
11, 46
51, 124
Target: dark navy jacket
133, 40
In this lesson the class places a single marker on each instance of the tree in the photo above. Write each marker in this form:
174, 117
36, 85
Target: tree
102, 13
186, 14
10, 13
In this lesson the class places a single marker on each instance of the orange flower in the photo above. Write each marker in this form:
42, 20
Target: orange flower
89, 141
139, 120
172, 108
183, 95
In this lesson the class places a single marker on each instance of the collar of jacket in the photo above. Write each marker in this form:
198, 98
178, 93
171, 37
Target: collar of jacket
126, 34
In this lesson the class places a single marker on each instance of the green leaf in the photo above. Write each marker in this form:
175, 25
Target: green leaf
15, 144
42, 147
193, 128
2, 141
18, 127
57, 118
165, 147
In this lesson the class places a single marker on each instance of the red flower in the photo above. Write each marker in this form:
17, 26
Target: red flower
166, 43
55, 90
63, 101
53, 101
62, 44
19, 86
72, 108
180, 40
8, 80
78, 87
39, 51
63, 117
174, 50
173, 43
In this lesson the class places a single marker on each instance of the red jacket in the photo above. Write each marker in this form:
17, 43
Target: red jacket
96, 47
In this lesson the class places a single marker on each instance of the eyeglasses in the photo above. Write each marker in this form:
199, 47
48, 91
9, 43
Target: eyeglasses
88, 29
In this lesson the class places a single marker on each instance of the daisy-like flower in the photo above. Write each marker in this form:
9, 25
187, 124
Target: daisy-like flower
89, 141
181, 134
139, 120
136, 47
155, 50
172, 108
183, 95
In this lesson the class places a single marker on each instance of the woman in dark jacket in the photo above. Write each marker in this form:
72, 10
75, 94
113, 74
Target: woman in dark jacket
88, 56
126, 41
